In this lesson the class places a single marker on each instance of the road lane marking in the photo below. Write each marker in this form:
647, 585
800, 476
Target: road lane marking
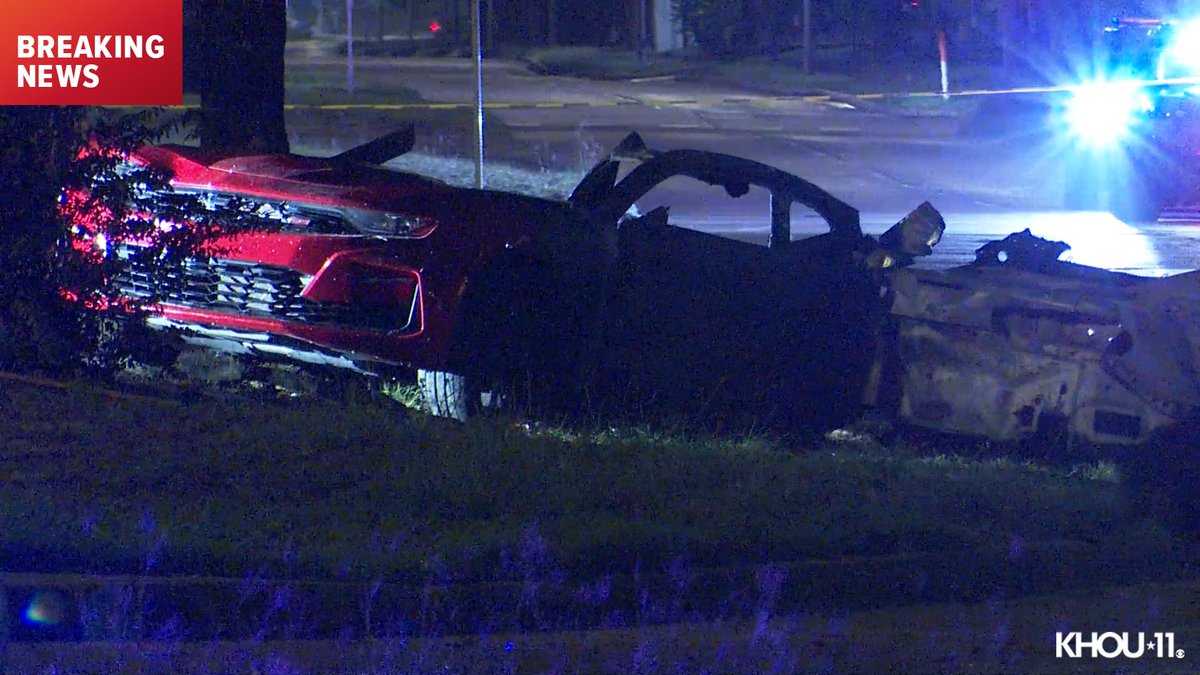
669, 102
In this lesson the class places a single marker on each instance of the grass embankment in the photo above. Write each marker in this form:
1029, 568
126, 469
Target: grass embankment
359, 491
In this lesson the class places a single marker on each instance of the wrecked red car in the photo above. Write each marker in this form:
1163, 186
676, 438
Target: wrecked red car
348, 264
482, 292
590, 305
341, 263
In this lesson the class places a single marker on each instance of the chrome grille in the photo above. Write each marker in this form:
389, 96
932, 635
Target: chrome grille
223, 285
247, 288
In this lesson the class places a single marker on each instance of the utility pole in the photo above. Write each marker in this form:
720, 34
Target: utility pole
350, 46
477, 44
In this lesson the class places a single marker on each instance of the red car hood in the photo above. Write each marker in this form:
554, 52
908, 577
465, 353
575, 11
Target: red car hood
313, 179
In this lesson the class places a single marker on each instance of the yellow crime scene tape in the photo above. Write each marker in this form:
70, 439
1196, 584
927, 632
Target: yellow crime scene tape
670, 102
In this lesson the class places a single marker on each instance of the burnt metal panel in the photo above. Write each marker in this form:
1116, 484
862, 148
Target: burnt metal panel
998, 348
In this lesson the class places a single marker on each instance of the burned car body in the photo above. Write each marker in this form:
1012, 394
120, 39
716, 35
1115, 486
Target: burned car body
1019, 344
717, 328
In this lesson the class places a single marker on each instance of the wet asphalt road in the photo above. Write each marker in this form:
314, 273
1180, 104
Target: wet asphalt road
1171, 246
986, 190
991, 173
986, 184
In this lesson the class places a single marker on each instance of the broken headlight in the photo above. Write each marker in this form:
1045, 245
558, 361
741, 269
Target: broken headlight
383, 224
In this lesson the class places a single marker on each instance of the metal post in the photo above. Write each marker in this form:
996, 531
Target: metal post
477, 44
807, 36
944, 61
350, 46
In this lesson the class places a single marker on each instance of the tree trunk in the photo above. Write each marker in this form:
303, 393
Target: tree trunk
241, 97
37, 145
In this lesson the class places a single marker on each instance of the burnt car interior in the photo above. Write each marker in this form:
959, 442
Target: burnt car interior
705, 324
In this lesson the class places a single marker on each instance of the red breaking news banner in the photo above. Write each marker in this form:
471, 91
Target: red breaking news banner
91, 52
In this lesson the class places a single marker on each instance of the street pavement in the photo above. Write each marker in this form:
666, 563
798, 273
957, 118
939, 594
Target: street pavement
990, 174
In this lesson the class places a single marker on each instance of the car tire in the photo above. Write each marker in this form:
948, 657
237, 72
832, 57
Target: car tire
528, 335
449, 395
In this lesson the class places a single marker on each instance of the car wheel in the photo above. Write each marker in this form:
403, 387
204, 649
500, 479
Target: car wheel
445, 394
528, 331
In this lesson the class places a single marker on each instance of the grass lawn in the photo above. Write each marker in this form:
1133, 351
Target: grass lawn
360, 494
357, 490
994, 637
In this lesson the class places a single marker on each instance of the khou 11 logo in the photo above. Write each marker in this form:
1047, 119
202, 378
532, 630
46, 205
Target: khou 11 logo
1113, 645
